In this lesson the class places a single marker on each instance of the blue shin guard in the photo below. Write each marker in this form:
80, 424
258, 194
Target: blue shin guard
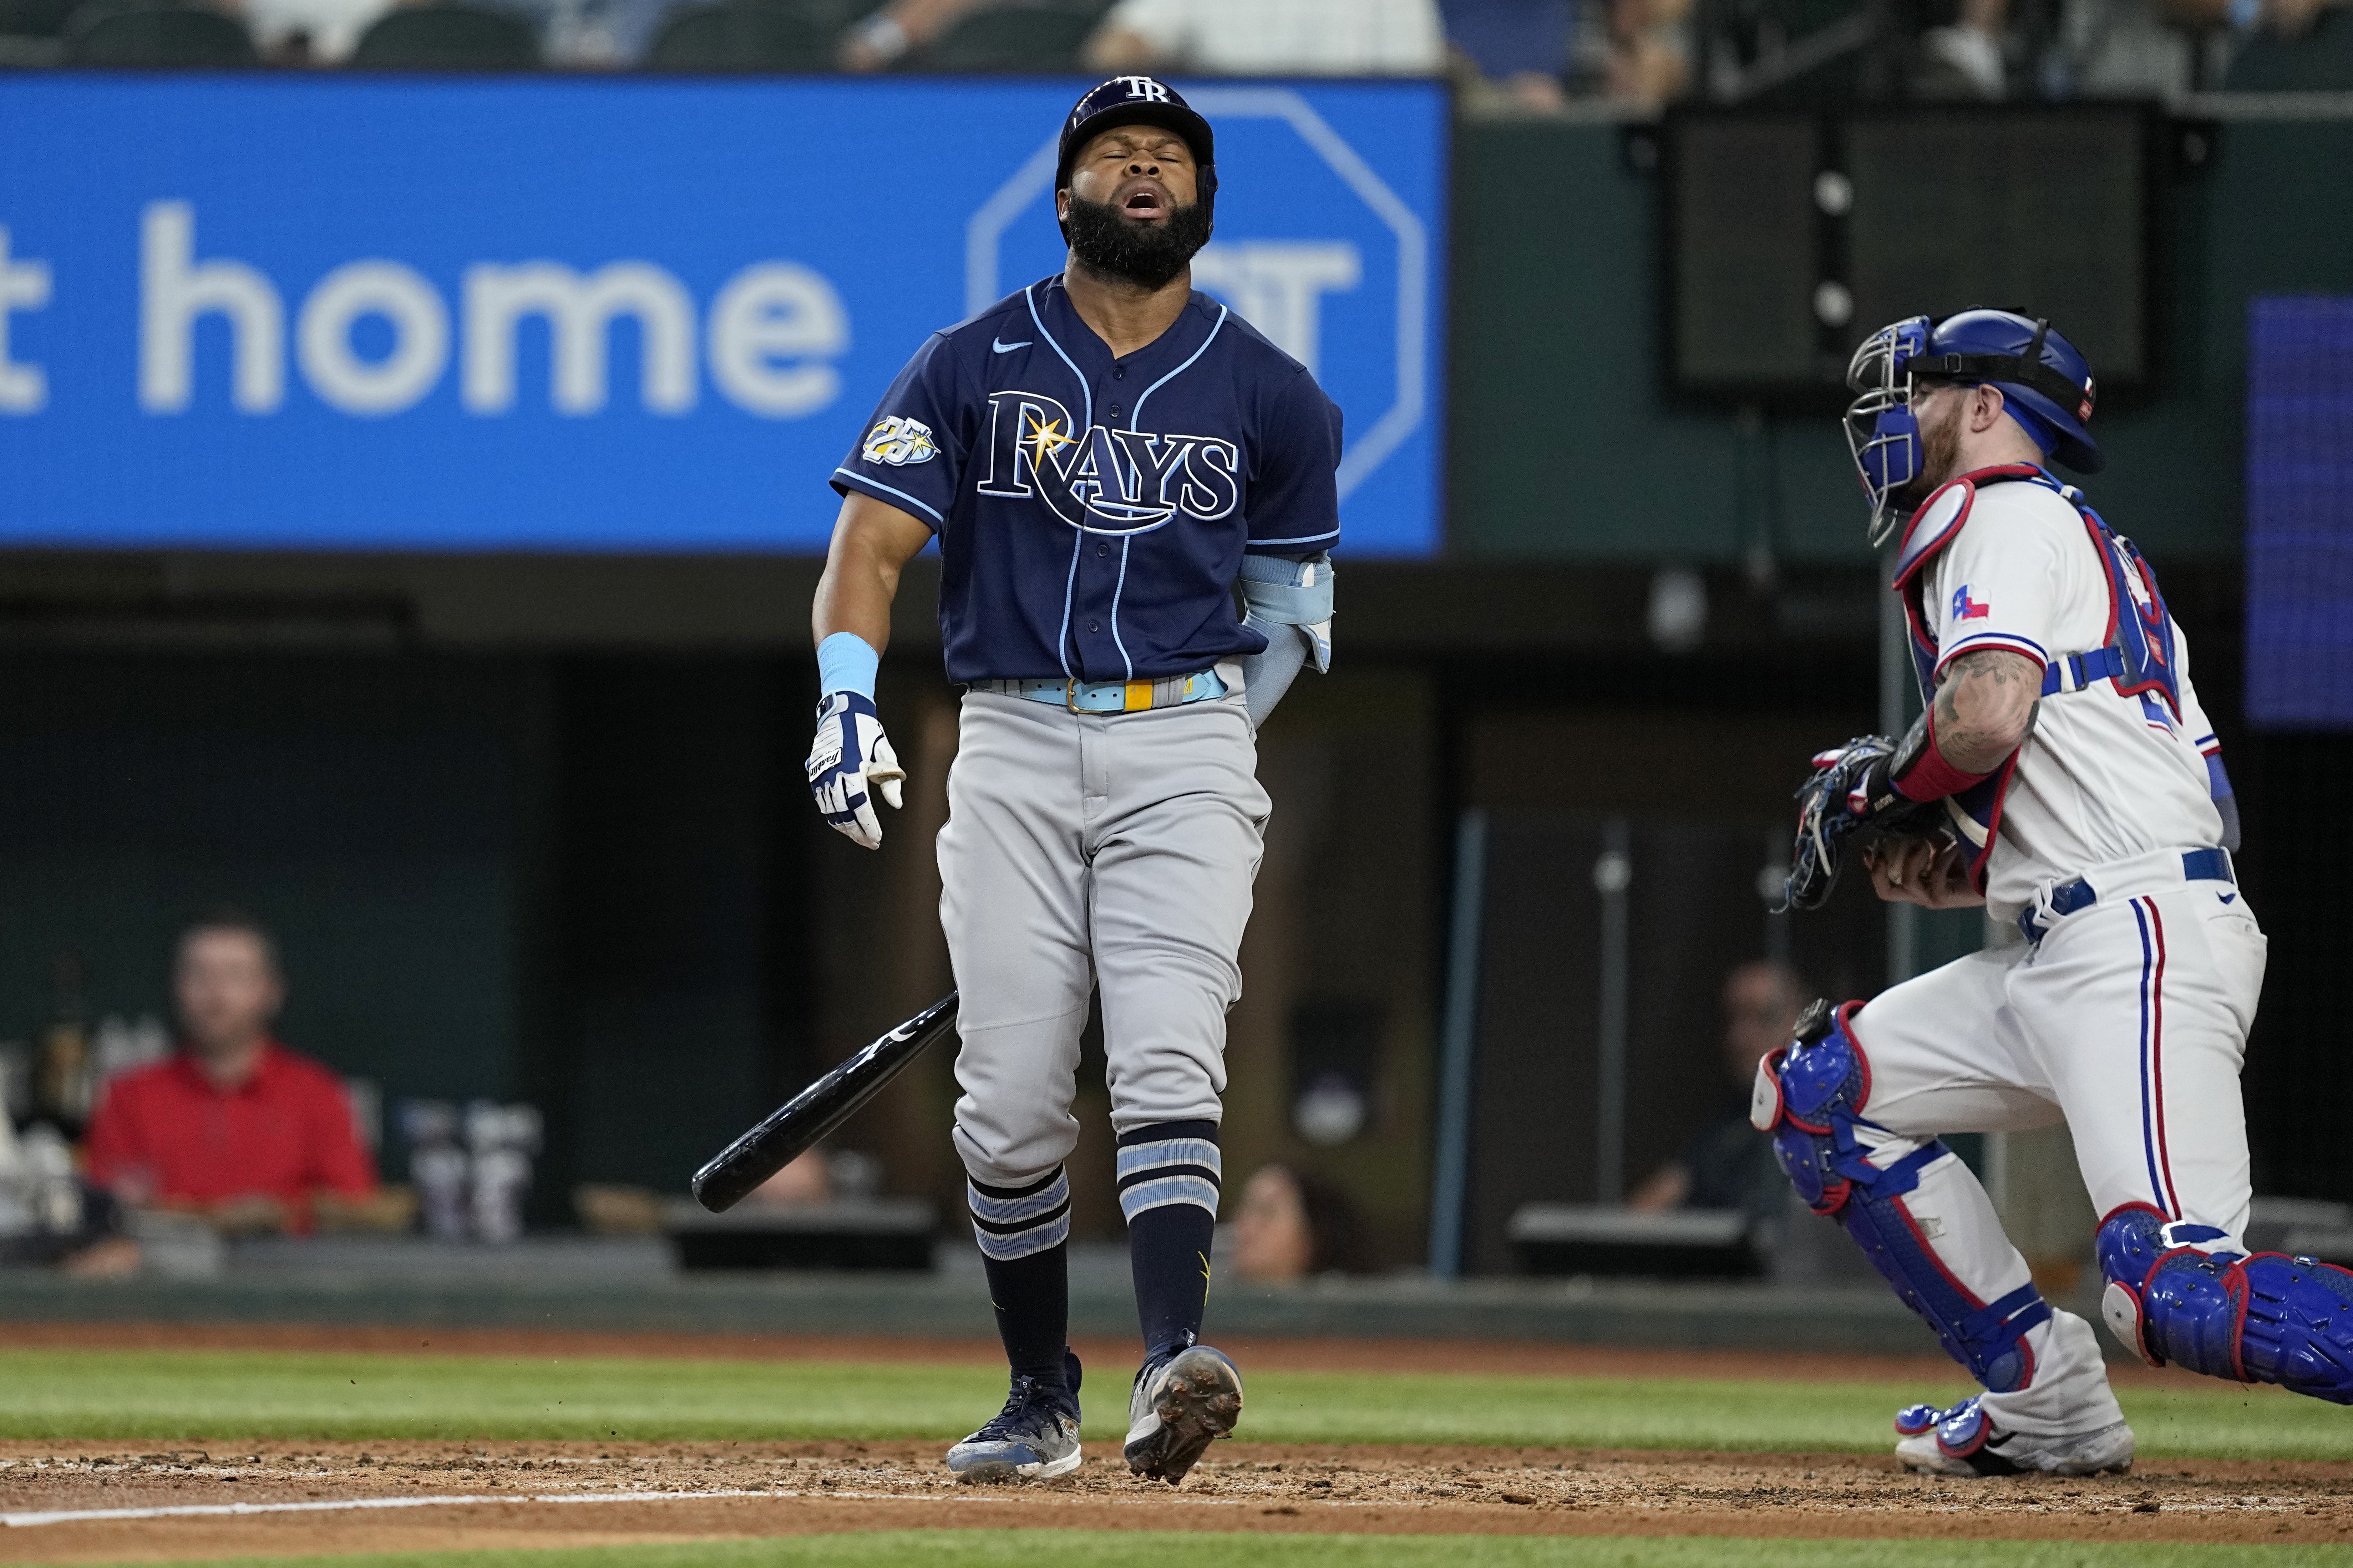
2264, 1317
1809, 1096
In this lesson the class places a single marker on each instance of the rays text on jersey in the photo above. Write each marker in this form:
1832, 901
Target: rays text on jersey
1103, 481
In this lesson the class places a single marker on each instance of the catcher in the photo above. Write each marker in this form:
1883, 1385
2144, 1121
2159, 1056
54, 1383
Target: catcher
2063, 776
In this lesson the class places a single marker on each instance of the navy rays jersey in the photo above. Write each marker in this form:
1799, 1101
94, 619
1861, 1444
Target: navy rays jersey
1092, 512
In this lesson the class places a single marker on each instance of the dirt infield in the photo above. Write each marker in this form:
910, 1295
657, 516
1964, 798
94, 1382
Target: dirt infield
516, 1494
441, 1496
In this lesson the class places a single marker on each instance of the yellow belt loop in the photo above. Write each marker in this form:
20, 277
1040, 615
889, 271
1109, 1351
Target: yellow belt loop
1139, 696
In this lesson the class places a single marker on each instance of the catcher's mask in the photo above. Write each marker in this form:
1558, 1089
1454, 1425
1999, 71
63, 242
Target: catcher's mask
2031, 365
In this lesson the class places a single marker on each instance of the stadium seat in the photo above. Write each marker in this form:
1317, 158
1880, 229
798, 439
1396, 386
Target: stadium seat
448, 38
742, 36
145, 33
1044, 38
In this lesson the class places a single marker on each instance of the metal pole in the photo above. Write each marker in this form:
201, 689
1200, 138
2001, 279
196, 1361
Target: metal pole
1451, 1178
1612, 873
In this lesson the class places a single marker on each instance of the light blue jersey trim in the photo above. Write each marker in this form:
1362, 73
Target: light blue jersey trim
1069, 590
1169, 1190
903, 495
1135, 416
1134, 422
1070, 584
1302, 539
1116, 590
1084, 390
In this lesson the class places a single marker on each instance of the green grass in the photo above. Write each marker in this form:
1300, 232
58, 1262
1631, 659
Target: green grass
1129, 1548
100, 1396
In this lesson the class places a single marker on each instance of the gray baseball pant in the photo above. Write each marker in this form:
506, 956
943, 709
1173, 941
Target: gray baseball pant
1084, 848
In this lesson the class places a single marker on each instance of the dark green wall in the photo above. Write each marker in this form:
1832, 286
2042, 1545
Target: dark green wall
569, 879
1563, 443
367, 807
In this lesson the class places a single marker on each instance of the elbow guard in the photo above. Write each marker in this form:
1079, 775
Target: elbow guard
1279, 591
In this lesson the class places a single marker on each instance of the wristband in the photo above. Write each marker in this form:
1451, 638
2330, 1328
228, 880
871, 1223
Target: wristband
1930, 776
847, 662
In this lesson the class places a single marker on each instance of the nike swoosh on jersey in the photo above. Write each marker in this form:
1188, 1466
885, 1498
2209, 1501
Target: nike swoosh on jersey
2226, 897
1000, 346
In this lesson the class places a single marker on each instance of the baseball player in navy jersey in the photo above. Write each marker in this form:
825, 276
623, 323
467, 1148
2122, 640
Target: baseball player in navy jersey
1134, 496
2063, 776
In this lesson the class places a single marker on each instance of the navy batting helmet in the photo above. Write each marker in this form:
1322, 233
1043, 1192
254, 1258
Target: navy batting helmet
1141, 100
2047, 381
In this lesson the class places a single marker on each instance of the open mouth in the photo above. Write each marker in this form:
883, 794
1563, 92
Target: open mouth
1146, 203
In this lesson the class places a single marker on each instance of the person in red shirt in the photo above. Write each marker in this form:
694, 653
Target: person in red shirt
232, 1125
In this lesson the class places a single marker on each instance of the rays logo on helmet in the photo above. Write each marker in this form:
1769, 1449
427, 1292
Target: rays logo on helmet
899, 442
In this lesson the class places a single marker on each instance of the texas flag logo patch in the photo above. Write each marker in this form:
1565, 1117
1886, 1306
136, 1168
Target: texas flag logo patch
1965, 608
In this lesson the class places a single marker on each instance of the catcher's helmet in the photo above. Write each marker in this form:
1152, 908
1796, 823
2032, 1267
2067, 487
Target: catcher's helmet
2034, 366
1137, 100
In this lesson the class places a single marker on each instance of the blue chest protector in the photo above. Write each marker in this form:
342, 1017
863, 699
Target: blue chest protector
2137, 657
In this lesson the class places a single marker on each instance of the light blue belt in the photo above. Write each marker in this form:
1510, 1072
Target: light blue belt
1112, 696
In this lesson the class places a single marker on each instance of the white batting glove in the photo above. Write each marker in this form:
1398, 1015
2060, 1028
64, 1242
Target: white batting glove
850, 762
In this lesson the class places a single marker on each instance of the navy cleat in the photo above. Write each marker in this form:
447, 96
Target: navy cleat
1964, 1441
1035, 1437
1181, 1403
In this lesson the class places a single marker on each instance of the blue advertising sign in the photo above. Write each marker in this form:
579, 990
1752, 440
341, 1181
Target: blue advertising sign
2300, 512
629, 314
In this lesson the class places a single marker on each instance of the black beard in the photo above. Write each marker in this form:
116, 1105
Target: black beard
1148, 255
1940, 455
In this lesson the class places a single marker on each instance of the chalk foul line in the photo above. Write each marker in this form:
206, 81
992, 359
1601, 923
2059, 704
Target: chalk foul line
233, 1509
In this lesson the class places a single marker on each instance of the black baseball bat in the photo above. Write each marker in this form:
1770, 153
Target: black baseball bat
801, 1121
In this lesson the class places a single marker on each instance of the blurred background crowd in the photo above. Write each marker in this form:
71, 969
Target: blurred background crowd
1505, 56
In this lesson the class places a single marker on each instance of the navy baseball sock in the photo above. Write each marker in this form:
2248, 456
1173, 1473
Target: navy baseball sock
1169, 1176
1024, 1233
1032, 1297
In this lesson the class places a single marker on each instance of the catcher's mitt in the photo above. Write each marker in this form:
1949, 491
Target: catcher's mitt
1849, 791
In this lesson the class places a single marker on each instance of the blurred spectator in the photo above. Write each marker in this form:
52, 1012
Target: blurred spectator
233, 1125
1731, 1165
1650, 51
2128, 48
882, 40
1964, 58
1270, 38
1292, 1226
806, 1180
2298, 46
1519, 47
307, 32
610, 1208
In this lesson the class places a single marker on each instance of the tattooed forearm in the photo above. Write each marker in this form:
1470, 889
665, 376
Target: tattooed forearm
1984, 707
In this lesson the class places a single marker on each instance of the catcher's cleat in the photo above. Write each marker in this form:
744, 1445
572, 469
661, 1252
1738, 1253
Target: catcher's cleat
1035, 1437
1964, 1441
1180, 1405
